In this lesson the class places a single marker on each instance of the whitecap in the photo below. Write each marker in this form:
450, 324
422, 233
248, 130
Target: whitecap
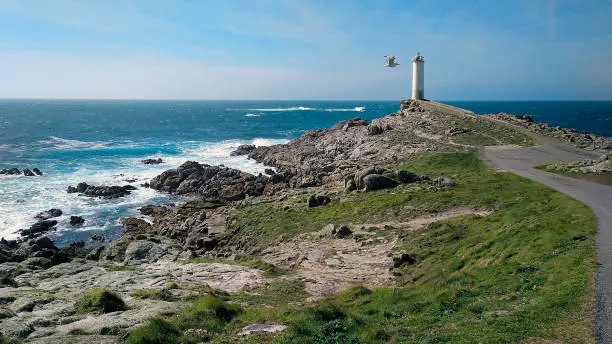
355, 109
67, 144
252, 115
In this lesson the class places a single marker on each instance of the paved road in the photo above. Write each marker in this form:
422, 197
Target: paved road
598, 197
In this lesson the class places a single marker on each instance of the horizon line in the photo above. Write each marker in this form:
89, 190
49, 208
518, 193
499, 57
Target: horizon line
297, 99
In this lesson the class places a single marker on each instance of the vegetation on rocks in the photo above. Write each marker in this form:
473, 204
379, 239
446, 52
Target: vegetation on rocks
99, 301
523, 272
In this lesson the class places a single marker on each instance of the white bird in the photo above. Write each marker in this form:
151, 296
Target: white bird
391, 61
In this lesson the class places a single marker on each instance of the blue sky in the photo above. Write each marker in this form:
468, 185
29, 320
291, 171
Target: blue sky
304, 49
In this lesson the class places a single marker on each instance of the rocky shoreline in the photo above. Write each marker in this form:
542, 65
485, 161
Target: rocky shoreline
40, 281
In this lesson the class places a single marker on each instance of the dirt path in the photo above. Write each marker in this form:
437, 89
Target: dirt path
521, 160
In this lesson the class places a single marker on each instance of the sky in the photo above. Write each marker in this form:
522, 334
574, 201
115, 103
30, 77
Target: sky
305, 49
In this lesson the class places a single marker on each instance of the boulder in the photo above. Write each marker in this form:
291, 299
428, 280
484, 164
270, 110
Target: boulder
76, 220
107, 192
39, 228
446, 182
343, 231
216, 183
10, 171
153, 210
375, 130
45, 215
152, 161
376, 181
133, 225
15, 328
318, 201
270, 171
97, 238
328, 230
28, 173
401, 258
242, 150
37, 171
260, 328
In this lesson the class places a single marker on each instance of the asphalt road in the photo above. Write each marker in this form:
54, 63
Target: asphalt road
597, 196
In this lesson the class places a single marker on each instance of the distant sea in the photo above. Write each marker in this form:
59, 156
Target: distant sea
103, 142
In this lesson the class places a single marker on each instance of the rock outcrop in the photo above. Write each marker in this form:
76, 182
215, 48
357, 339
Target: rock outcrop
242, 150
107, 192
210, 182
152, 161
26, 171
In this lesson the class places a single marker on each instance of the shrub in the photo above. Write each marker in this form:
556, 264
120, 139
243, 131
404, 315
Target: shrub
99, 301
156, 331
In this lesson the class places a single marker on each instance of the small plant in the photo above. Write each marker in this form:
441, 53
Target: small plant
99, 301
335, 332
156, 331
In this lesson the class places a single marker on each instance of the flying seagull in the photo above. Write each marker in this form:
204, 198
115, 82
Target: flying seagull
391, 61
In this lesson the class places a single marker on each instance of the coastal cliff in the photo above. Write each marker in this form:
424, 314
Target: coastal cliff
383, 232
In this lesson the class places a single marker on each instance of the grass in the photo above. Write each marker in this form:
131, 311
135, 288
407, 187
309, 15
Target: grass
207, 316
99, 301
153, 294
525, 272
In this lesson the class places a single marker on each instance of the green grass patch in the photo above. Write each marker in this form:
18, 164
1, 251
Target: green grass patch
206, 317
122, 268
99, 301
154, 294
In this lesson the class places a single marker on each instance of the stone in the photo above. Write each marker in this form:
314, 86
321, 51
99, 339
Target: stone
76, 220
39, 228
270, 171
343, 231
328, 230
37, 171
6, 313
401, 258
28, 173
376, 182
10, 171
45, 215
375, 130
152, 161
107, 192
318, 201
97, 238
94, 254
15, 328
446, 182
261, 328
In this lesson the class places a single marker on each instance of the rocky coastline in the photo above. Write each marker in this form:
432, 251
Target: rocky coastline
40, 281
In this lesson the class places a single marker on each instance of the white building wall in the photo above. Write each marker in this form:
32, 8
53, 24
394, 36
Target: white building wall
418, 79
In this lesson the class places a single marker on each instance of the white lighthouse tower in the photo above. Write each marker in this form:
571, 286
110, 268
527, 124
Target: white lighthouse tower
418, 77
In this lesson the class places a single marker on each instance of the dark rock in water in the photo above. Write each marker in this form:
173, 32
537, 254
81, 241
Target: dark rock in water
12, 171
270, 171
28, 173
146, 185
377, 182
37, 171
446, 182
242, 150
76, 220
343, 231
97, 238
402, 258
39, 228
349, 123
318, 200
210, 182
107, 192
45, 215
152, 161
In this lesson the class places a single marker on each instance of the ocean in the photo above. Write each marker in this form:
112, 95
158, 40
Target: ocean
103, 142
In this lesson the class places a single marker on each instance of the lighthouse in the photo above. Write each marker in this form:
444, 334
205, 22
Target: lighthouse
418, 77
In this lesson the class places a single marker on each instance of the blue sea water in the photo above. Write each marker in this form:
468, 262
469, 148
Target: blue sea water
103, 142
